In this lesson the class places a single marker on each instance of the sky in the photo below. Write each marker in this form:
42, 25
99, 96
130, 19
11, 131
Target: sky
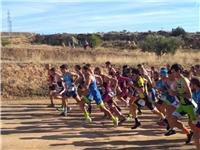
88, 16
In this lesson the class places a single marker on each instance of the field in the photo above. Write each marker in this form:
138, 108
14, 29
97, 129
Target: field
28, 124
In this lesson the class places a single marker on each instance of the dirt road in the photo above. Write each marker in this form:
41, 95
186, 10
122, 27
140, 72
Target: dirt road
30, 125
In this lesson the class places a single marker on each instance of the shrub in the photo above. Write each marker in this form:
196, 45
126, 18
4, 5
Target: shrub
5, 41
95, 40
160, 45
179, 31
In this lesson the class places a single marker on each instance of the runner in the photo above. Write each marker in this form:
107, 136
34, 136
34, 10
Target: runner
140, 98
111, 69
55, 85
195, 87
183, 93
108, 94
71, 91
94, 93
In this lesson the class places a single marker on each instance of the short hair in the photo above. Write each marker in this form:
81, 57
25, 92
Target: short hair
63, 66
97, 69
195, 81
177, 67
78, 67
139, 65
85, 67
108, 63
88, 65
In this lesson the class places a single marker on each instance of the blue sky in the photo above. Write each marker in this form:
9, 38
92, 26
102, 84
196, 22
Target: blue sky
86, 16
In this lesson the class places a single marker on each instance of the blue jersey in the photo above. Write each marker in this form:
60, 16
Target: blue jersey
94, 93
68, 81
196, 97
163, 88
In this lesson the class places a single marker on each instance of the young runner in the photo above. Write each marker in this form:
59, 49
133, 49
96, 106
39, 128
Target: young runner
94, 93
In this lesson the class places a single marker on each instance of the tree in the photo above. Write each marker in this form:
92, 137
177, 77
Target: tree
179, 31
95, 40
161, 45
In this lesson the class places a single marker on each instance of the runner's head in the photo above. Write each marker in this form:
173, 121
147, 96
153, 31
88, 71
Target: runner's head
97, 71
135, 72
163, 73
108, 64
52, 71
77, 67
63, 68
47, 66
176, 70
195, 83
85, 69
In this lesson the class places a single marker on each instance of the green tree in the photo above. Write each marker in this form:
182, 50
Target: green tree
95, 40
179, 31
161, 45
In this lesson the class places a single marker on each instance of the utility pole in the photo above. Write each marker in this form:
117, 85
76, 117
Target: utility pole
9, 24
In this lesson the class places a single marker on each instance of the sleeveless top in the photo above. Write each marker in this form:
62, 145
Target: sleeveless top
69, 82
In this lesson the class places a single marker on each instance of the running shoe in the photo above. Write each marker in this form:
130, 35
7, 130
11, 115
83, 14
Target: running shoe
170, 132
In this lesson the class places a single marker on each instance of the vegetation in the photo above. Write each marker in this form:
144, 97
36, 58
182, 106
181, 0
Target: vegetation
179, 31
160, 45
5, 41
95, 40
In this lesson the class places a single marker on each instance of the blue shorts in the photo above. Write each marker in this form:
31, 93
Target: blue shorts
96, 96
171, 99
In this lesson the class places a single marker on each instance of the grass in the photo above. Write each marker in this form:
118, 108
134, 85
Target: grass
50, 54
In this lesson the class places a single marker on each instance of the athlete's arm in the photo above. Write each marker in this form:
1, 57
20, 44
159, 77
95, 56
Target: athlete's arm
188, 92
75, 76
64, 88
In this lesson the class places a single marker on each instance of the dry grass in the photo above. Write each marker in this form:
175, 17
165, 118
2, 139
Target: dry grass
50, 54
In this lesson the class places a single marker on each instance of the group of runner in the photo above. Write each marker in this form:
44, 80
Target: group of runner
170, 93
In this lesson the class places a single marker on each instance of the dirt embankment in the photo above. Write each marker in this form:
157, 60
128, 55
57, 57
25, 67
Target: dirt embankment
23, 80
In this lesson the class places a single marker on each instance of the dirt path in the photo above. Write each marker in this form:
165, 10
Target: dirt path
30, 125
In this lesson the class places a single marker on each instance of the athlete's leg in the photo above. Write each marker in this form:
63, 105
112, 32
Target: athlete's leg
82, 107
114, 109
169, 110
50, 93
176, 123
133, 109
108, 113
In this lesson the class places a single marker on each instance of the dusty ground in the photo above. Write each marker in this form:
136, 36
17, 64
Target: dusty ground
30, 125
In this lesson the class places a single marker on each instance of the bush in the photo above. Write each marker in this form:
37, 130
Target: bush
178, 32
95, 40
160, 45
5, 41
